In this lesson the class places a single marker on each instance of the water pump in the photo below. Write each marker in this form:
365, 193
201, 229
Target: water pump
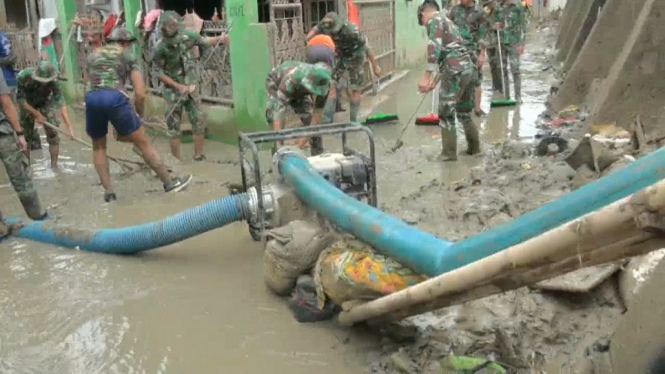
274, 204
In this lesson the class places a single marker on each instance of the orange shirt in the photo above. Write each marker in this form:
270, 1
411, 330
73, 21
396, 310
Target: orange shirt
322, 39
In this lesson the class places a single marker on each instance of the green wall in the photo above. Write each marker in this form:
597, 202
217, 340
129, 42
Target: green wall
66, 13
250, 63
410, 38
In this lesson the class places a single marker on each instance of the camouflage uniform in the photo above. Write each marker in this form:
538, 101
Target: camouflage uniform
38, 88
109, 71
175, 57
292, 84
513, 33
351, 51
447, 56
472, 24
491, 44
15, 161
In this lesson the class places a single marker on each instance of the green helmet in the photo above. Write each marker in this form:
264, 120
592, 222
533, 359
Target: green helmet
170, 24
332, 22
44, 72
317, 79
121, 34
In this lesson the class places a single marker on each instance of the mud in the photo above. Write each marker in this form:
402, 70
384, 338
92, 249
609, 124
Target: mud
523, 329
202, 305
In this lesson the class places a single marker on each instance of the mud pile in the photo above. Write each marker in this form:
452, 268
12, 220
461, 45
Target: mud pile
522, 329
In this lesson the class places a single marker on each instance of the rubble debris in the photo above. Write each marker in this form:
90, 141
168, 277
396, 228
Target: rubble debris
580, 281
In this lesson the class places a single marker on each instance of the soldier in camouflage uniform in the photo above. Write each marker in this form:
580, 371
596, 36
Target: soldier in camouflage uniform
472, 24
109, 69
175, 57
512, 22
12, 144
491, 45
293, 84
39, 97
351, 50
450, 63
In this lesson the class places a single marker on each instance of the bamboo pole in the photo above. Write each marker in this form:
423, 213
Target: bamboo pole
521, 256
634, 246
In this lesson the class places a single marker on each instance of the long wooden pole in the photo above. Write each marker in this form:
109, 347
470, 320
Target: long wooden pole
532, 254
120, 161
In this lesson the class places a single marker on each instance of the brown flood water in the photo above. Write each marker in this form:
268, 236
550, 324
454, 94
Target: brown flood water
198, 306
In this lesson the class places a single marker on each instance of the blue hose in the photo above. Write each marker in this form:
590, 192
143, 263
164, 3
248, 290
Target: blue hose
419, 250
139, 238
432, 256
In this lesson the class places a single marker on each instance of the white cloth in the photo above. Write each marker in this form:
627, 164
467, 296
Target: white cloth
46, 28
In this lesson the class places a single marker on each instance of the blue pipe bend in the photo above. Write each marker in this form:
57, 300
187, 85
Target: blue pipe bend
419, 250
139, 238
432, 256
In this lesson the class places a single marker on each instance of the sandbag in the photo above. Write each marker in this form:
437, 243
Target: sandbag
291, 251
351, 270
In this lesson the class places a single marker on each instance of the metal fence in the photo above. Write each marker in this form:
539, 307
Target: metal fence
24, 46
215, 67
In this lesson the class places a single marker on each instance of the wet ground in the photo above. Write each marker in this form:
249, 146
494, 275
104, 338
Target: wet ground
201, 306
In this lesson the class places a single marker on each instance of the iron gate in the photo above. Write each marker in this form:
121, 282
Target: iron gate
377, 22
287, 38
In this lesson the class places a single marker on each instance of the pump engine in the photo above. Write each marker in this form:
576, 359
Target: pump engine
273, 204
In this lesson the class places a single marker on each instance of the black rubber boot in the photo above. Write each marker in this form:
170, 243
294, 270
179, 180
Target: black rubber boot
448, 144
339, 108
316, 145
506, 82
517, 81
472, 138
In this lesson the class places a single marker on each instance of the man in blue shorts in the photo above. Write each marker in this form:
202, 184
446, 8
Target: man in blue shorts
109, 67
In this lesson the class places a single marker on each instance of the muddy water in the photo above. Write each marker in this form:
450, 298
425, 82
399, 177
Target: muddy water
198, 306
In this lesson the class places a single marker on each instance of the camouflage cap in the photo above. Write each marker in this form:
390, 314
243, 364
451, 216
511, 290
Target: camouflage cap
317, 79
121, 34
44, 72
170, 24
332, 21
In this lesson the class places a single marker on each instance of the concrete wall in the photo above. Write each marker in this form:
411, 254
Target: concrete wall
603, 45
576, 17
410, 38
618, 71
640, 335
554, 4
634, 84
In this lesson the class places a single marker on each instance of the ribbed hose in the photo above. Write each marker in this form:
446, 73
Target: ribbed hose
431, 256
139, 238
419, 250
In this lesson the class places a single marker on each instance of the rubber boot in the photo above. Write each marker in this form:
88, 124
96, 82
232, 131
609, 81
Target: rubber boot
448, 143
517, 81
32, 206
495, 70
506, 81
472, 138
316, 145
36, 144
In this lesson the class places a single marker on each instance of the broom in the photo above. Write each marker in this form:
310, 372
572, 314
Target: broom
432, 118
380, 118
504, 101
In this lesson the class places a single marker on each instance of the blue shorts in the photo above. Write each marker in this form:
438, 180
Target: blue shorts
104, 106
